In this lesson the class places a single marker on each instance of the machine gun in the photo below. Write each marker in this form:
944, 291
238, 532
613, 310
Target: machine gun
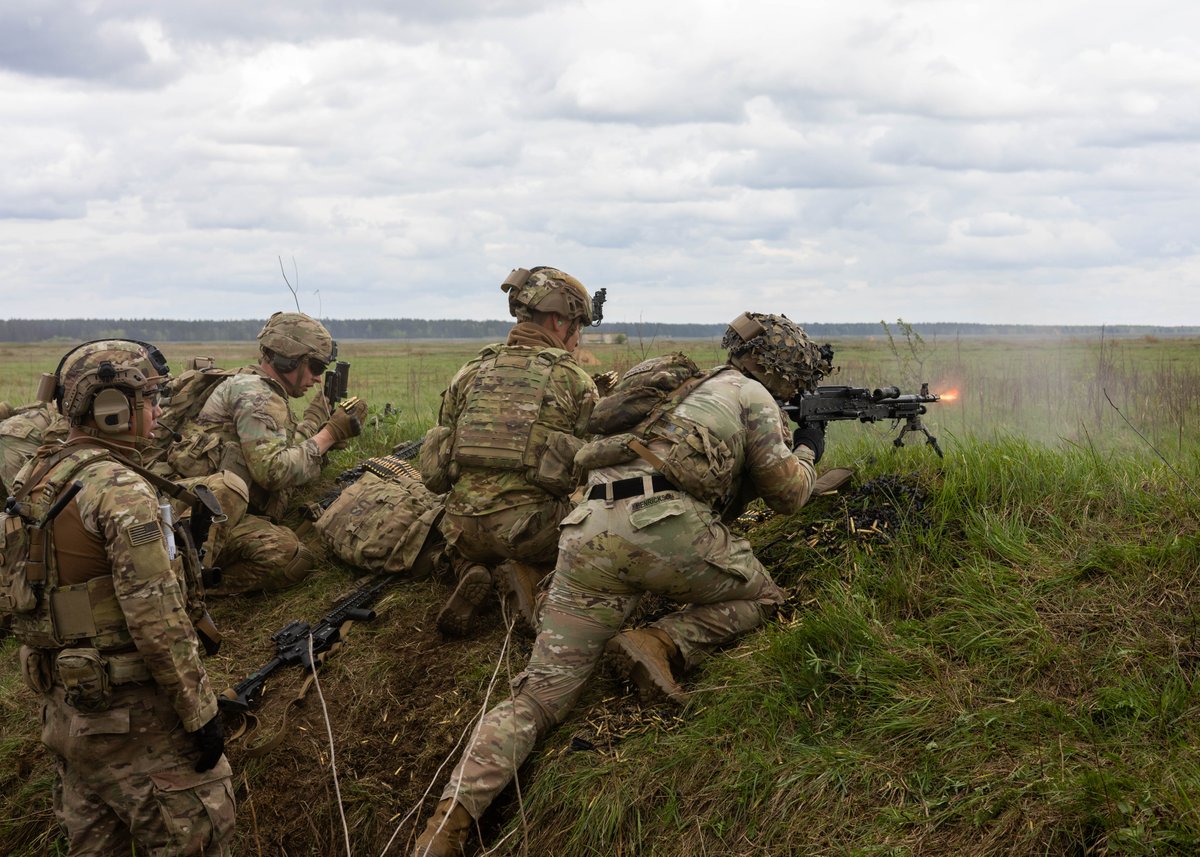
291, 644
337, 383
828, 404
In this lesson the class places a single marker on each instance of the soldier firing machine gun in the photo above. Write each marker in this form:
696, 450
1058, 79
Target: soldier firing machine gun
832, 403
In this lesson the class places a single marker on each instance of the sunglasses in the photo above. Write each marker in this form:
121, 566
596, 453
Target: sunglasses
317, 367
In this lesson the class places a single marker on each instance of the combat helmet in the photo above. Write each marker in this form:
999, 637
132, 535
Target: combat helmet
291, 337
545, 289
98, 378
776, 352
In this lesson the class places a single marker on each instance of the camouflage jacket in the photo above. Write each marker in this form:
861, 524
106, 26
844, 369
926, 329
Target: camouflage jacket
121, 509
567, 402
740, 412
22, 433
262, 442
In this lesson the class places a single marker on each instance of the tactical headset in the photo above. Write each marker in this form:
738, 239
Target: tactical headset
110, 407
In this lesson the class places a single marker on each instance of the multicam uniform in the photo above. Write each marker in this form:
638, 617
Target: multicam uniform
509, 426
655, 540
22, 433
247, 428
120, 672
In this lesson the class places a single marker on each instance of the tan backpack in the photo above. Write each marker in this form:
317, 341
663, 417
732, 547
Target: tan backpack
381, 522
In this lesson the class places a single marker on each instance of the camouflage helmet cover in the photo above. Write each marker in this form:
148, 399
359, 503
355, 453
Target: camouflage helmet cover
124, 364
545, 289
779, 351
297, 336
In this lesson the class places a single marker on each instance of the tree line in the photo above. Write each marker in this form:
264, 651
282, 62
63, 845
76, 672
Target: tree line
242, 330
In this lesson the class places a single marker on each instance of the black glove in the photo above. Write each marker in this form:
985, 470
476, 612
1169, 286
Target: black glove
210, 741
811, 435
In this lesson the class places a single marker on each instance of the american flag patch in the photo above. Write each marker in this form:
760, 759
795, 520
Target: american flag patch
144, 534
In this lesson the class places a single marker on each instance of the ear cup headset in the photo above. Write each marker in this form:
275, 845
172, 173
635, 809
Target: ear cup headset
110, 406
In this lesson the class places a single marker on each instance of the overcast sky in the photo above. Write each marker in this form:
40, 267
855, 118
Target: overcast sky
1032, 161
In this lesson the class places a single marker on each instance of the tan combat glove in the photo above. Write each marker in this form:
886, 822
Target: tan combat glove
315, 415
347, 419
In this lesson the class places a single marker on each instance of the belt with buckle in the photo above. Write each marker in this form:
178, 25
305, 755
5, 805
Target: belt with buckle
635, 486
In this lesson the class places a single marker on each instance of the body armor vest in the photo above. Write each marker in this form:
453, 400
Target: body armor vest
66, 569
503, 424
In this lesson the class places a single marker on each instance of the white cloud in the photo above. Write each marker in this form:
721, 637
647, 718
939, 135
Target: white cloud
937, 160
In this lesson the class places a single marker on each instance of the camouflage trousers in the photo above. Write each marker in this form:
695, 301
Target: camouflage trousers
260, 556
526, 533
125, 775
667, 543
254, 554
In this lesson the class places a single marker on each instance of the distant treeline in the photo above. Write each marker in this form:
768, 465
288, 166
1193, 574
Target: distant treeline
239, 330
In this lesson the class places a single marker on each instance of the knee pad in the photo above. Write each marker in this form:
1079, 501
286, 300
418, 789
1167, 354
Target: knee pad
298, 567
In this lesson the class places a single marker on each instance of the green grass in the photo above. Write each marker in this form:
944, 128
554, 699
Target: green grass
1021, 684
1008, 667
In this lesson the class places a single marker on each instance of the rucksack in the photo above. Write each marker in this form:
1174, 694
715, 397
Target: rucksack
185, 398
641, 389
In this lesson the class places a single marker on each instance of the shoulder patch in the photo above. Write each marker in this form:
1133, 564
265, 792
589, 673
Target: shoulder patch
143, 534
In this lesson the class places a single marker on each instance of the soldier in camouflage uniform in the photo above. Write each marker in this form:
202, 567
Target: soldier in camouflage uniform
128, 711
653, 521
22, 432
504, 447
247, 428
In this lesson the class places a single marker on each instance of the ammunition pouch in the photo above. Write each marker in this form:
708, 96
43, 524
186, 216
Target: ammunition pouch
83, 674
36, 669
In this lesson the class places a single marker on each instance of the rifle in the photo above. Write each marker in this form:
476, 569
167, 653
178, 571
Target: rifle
337, 382
867, 406
291, 644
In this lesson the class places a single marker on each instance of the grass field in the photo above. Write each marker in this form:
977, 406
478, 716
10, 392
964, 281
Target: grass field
991, 653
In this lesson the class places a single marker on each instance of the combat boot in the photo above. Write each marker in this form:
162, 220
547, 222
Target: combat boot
643, 658
522, 584
457, 617
445, 832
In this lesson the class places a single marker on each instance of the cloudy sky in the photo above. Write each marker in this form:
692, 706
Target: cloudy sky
1030, 161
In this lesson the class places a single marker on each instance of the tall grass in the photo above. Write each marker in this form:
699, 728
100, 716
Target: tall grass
1011, 672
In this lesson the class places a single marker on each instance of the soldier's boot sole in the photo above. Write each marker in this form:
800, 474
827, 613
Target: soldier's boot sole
457, 617
644, 661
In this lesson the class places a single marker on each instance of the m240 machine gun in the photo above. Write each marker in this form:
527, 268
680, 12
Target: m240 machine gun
829, 404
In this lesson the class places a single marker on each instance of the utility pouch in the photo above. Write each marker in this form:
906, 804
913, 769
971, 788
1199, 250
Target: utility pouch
434, 460
36, 669
556, 470
84, 675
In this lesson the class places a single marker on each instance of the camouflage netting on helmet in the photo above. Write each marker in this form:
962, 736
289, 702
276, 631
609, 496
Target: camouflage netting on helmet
547, 290
782, 349
296, 335
118, 363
